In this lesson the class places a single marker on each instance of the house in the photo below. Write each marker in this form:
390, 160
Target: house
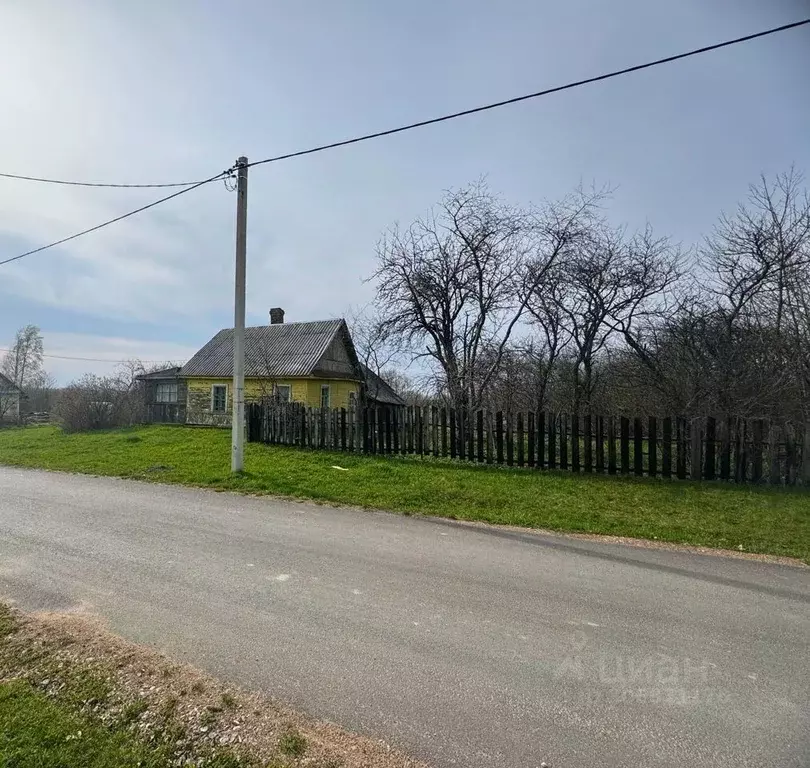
313, 363
165, 396
10, 396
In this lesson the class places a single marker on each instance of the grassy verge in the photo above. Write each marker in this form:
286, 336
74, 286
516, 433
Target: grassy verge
755, 519
56, 710
72, 694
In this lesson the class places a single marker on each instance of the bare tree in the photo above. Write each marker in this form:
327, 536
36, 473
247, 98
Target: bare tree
22, 364
454, 285
602, 290
545, 306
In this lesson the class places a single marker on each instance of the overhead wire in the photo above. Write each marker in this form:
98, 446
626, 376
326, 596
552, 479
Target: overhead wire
412, 126
223, 174
534, 95
105, 185
93, 359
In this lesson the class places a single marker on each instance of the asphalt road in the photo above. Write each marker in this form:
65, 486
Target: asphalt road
465, 647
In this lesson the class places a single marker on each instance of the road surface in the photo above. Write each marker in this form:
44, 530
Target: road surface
463, 646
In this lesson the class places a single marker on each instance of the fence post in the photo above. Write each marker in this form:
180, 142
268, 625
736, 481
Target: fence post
756, 459
480, 430
470, 427
530, 429
697, 444
600, 444
638, 447
725, 451
773, 445
791, 455
680, 447
499, 437
510, 444
520, 454
434, 430
563, 436
452, 416
625, 444
490, 439
666, 449
588, 443
741, 470
611, 432
462, 433
708, 463
652, 447
541, 439
575, 442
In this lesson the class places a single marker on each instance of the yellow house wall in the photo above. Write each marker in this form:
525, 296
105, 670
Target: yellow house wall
307, 391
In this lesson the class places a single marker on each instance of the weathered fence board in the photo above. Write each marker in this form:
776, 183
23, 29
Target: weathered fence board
638, 448
704, 448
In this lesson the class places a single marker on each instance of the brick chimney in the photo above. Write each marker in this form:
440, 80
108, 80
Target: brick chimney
276, 316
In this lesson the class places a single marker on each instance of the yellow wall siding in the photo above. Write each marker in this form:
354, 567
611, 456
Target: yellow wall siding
307, 391
339, 391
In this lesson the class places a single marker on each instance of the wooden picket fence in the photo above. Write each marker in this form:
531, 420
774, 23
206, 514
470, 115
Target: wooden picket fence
737, 450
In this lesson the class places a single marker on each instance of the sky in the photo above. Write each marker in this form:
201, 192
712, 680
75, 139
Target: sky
155, 91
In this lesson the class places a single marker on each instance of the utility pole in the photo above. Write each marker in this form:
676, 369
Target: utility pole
238, 399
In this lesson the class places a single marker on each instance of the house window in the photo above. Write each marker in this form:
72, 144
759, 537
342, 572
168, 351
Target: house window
283, 393
166, 392
352, 399
219, 398
324, 396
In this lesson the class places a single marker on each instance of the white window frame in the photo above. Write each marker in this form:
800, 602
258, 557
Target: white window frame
326, 388
287, 388
172, 387
219, 386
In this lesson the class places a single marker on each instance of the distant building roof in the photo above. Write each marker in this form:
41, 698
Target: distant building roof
379, 390
277, 350
7, 385
165, 373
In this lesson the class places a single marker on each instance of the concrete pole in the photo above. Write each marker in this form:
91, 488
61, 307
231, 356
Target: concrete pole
238, 397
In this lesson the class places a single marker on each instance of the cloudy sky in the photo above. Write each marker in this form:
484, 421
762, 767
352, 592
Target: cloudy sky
161, 91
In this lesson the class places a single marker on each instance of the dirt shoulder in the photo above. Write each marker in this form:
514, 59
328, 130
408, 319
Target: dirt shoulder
194, 718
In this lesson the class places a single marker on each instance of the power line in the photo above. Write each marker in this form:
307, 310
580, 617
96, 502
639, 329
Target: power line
116, 219
535, 95
93, 359
96, 184
423, 123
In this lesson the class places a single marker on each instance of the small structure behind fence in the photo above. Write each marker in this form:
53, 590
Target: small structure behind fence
738, 450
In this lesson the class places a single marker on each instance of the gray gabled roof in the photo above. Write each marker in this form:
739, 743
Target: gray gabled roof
165, 373
379, 390
7, 385
281, 350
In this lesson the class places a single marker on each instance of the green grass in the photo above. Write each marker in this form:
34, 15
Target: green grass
62, 714
292, 744
36, 732
760, 519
